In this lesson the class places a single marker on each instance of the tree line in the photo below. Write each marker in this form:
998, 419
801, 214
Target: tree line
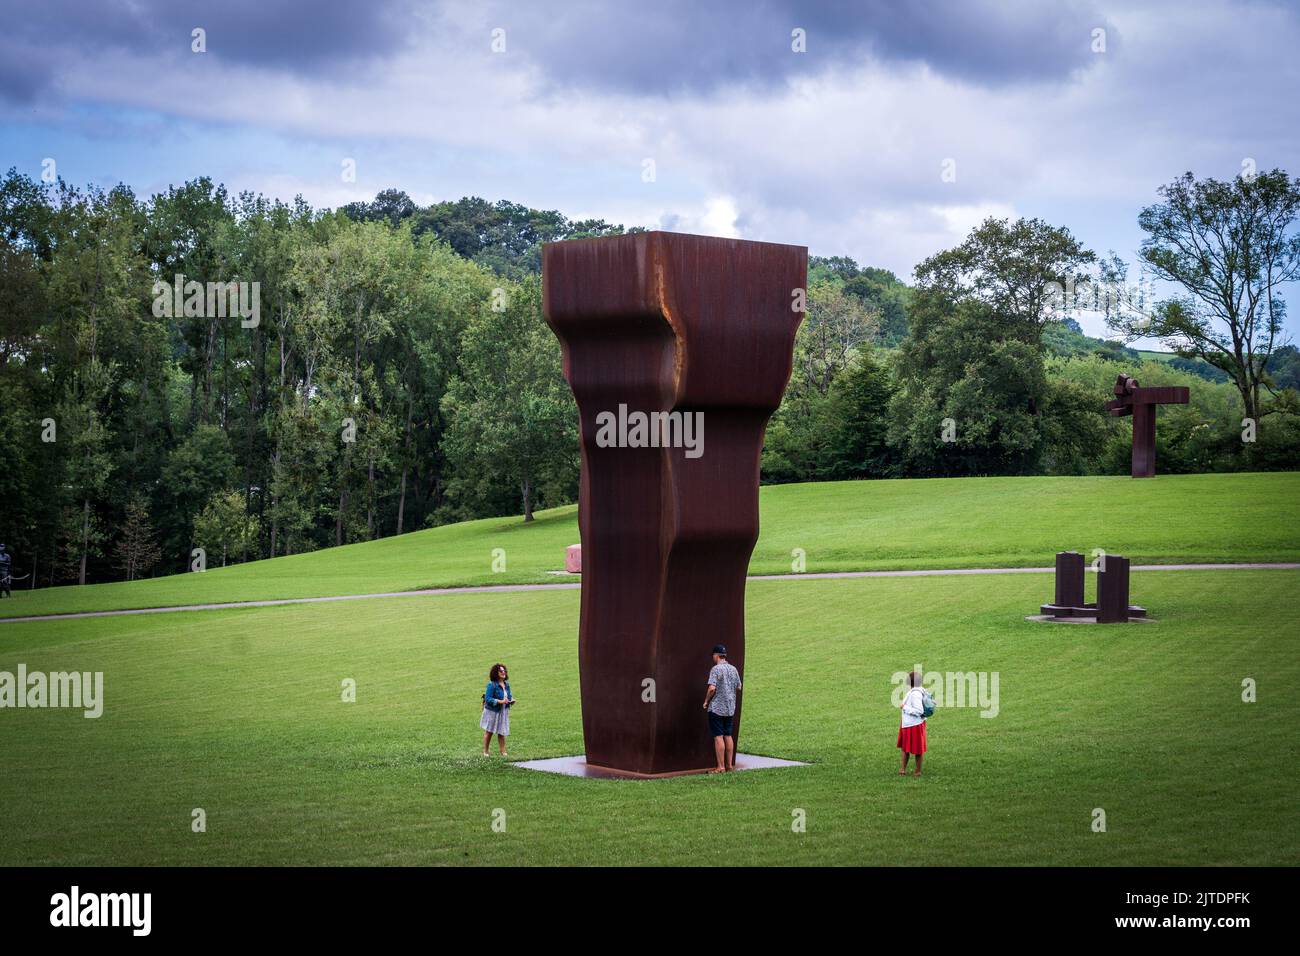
384, 367
387, 383
993, 375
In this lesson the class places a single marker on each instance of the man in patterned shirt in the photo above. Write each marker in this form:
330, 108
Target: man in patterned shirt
720, 702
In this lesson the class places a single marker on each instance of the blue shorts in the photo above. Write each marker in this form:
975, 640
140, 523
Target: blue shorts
719, 726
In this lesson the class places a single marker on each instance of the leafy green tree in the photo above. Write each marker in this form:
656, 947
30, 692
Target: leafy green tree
879, 291
885, 295
85, 467
307, 441
187, 235
224, 525
840, 435
835, 327
859, 408
1231, 246
971, 386
444, 291
512, 418
797, 445
1284, 368
95, 286
1074, 429
194, 470
393, 206
1011, 267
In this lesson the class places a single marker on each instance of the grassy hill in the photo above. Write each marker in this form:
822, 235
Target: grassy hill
841, 526
239, 713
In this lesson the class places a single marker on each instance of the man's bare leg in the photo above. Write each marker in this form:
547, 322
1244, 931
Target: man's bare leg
719, 751
731, 753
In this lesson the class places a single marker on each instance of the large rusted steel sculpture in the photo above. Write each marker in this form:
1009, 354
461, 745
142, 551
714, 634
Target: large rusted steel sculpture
1141, 403
688, 331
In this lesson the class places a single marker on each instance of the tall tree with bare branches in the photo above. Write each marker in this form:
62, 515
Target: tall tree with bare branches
1231, 246
137, 548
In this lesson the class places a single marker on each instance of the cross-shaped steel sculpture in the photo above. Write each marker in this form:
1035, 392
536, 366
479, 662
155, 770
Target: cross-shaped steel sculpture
1130, 399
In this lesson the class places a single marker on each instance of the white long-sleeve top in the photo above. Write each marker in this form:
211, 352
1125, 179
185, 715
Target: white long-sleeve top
913, 708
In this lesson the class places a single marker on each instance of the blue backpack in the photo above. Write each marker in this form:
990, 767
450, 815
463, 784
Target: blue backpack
927, 703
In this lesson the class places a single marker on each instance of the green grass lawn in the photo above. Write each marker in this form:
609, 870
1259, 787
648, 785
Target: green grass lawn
239, 712
841, 526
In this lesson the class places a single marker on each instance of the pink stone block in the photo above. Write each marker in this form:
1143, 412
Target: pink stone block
573, 559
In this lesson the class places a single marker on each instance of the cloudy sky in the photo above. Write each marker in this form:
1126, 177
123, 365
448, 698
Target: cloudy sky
900, 126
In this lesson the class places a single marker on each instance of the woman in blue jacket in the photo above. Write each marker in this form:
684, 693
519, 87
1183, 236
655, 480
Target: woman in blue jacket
496, 708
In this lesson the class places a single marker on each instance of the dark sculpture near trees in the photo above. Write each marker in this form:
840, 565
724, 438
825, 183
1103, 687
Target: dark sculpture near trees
662, 324
1141, 403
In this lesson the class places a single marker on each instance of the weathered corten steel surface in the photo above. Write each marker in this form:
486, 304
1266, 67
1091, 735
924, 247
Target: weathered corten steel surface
1141, 403
1069, 579
664, 322
1112, 590
1111, 605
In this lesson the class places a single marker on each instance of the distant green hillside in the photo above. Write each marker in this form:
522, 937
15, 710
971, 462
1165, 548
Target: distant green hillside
839, 526
1067, 340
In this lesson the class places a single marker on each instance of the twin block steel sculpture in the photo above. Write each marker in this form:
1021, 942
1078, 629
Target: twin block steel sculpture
668, 326
1111, 606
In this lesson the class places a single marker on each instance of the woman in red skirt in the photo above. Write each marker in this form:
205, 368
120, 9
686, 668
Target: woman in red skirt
911, 732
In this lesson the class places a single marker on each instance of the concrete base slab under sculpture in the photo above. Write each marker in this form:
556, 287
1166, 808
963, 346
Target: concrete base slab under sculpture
1051, 619
1084, 611
577, 766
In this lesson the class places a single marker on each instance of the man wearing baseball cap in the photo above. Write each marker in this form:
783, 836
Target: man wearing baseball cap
720, 703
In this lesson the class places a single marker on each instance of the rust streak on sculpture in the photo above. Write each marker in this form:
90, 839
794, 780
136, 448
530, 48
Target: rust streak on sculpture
1141, 403
664, 322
